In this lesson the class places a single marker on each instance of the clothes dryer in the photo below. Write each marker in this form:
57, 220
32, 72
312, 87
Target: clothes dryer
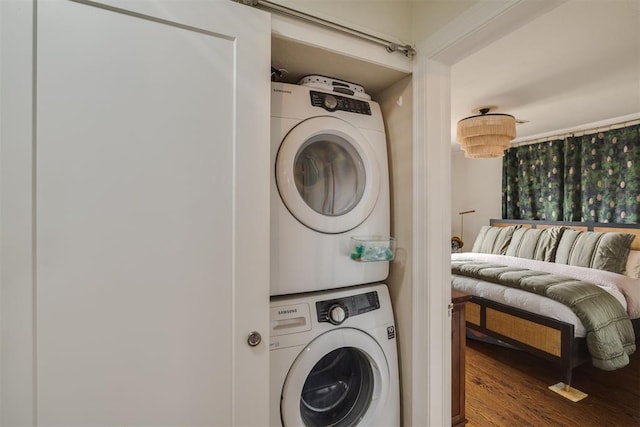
333, 359
330, 182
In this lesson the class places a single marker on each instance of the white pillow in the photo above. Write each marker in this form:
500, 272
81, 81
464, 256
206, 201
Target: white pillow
633, 265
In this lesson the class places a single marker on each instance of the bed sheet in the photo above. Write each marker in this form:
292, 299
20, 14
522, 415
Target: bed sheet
626, 290
519, 299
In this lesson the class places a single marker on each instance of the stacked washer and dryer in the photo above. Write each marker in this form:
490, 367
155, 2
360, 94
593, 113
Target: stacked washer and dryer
333, 350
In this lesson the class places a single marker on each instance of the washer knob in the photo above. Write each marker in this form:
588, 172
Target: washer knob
330, 102
337, 314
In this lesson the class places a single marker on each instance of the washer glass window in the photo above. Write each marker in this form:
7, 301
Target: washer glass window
338, 390
329, 175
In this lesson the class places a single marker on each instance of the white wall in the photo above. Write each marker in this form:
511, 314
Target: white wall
408, 21
382, 17
396, 103
427, 17
476, 185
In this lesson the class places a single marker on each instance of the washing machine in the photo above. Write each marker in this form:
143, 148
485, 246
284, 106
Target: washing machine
333, 359
330, 182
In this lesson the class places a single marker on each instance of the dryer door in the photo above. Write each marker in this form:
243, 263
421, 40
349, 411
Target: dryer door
327, 174
340, 379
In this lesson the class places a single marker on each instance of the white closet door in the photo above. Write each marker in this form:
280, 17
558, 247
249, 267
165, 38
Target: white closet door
151, 205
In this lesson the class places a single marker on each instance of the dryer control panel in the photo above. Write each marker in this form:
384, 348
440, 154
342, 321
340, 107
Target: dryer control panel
336, 102
336, 311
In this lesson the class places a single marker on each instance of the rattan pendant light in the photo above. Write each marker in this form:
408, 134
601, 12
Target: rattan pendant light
486, 135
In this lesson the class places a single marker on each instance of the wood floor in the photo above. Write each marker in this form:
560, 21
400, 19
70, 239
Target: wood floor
506, 387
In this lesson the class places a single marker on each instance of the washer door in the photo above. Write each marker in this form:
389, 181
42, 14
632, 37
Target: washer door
327, 175
340, 379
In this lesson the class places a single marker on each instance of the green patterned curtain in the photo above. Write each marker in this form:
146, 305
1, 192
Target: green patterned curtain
572, 180
532, 181
605, 175
587, 178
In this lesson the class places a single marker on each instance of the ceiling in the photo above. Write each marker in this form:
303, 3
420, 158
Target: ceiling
573, 66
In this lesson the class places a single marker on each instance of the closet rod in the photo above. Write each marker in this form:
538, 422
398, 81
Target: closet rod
389, 45
577, 132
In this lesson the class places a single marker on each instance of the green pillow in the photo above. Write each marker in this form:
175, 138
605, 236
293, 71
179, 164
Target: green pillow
493, 240
538, 244
602, 251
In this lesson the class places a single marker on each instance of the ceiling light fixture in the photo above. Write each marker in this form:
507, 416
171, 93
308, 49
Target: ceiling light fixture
486, 135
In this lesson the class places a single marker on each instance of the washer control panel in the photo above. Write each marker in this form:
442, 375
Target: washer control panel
336, 311
336, 102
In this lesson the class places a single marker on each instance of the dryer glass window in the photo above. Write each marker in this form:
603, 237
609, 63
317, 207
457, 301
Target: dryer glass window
338, 390
329, 175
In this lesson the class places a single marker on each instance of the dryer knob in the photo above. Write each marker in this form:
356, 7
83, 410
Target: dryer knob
337, 314
330, 102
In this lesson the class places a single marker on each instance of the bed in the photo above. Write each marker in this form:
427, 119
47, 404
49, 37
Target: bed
535, 322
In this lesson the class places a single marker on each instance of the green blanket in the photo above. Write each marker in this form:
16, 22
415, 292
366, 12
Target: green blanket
610, 336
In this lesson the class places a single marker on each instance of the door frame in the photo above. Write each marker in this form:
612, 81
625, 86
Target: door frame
480, 25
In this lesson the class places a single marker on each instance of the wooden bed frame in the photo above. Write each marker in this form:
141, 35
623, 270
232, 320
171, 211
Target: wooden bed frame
541, 336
